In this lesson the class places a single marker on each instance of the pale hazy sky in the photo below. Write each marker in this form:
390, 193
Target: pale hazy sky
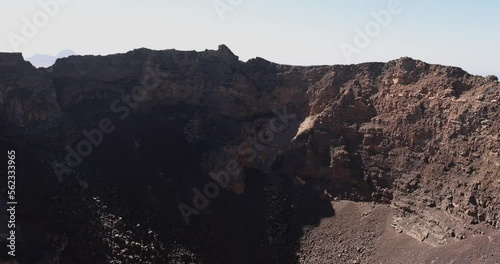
450, 32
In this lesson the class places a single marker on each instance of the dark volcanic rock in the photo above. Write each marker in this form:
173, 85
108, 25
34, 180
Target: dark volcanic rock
26, 95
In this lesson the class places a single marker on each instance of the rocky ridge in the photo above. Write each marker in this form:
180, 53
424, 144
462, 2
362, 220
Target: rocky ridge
423, 138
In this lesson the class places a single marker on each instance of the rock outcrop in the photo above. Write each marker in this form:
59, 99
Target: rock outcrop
26, 95
422, 137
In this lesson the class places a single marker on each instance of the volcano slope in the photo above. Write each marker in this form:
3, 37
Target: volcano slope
197, 157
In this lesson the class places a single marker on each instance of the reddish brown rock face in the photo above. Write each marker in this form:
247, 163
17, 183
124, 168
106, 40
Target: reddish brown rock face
424, 138
408, 133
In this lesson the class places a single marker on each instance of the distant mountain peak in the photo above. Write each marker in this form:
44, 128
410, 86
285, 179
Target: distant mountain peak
44, 60
66, 53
